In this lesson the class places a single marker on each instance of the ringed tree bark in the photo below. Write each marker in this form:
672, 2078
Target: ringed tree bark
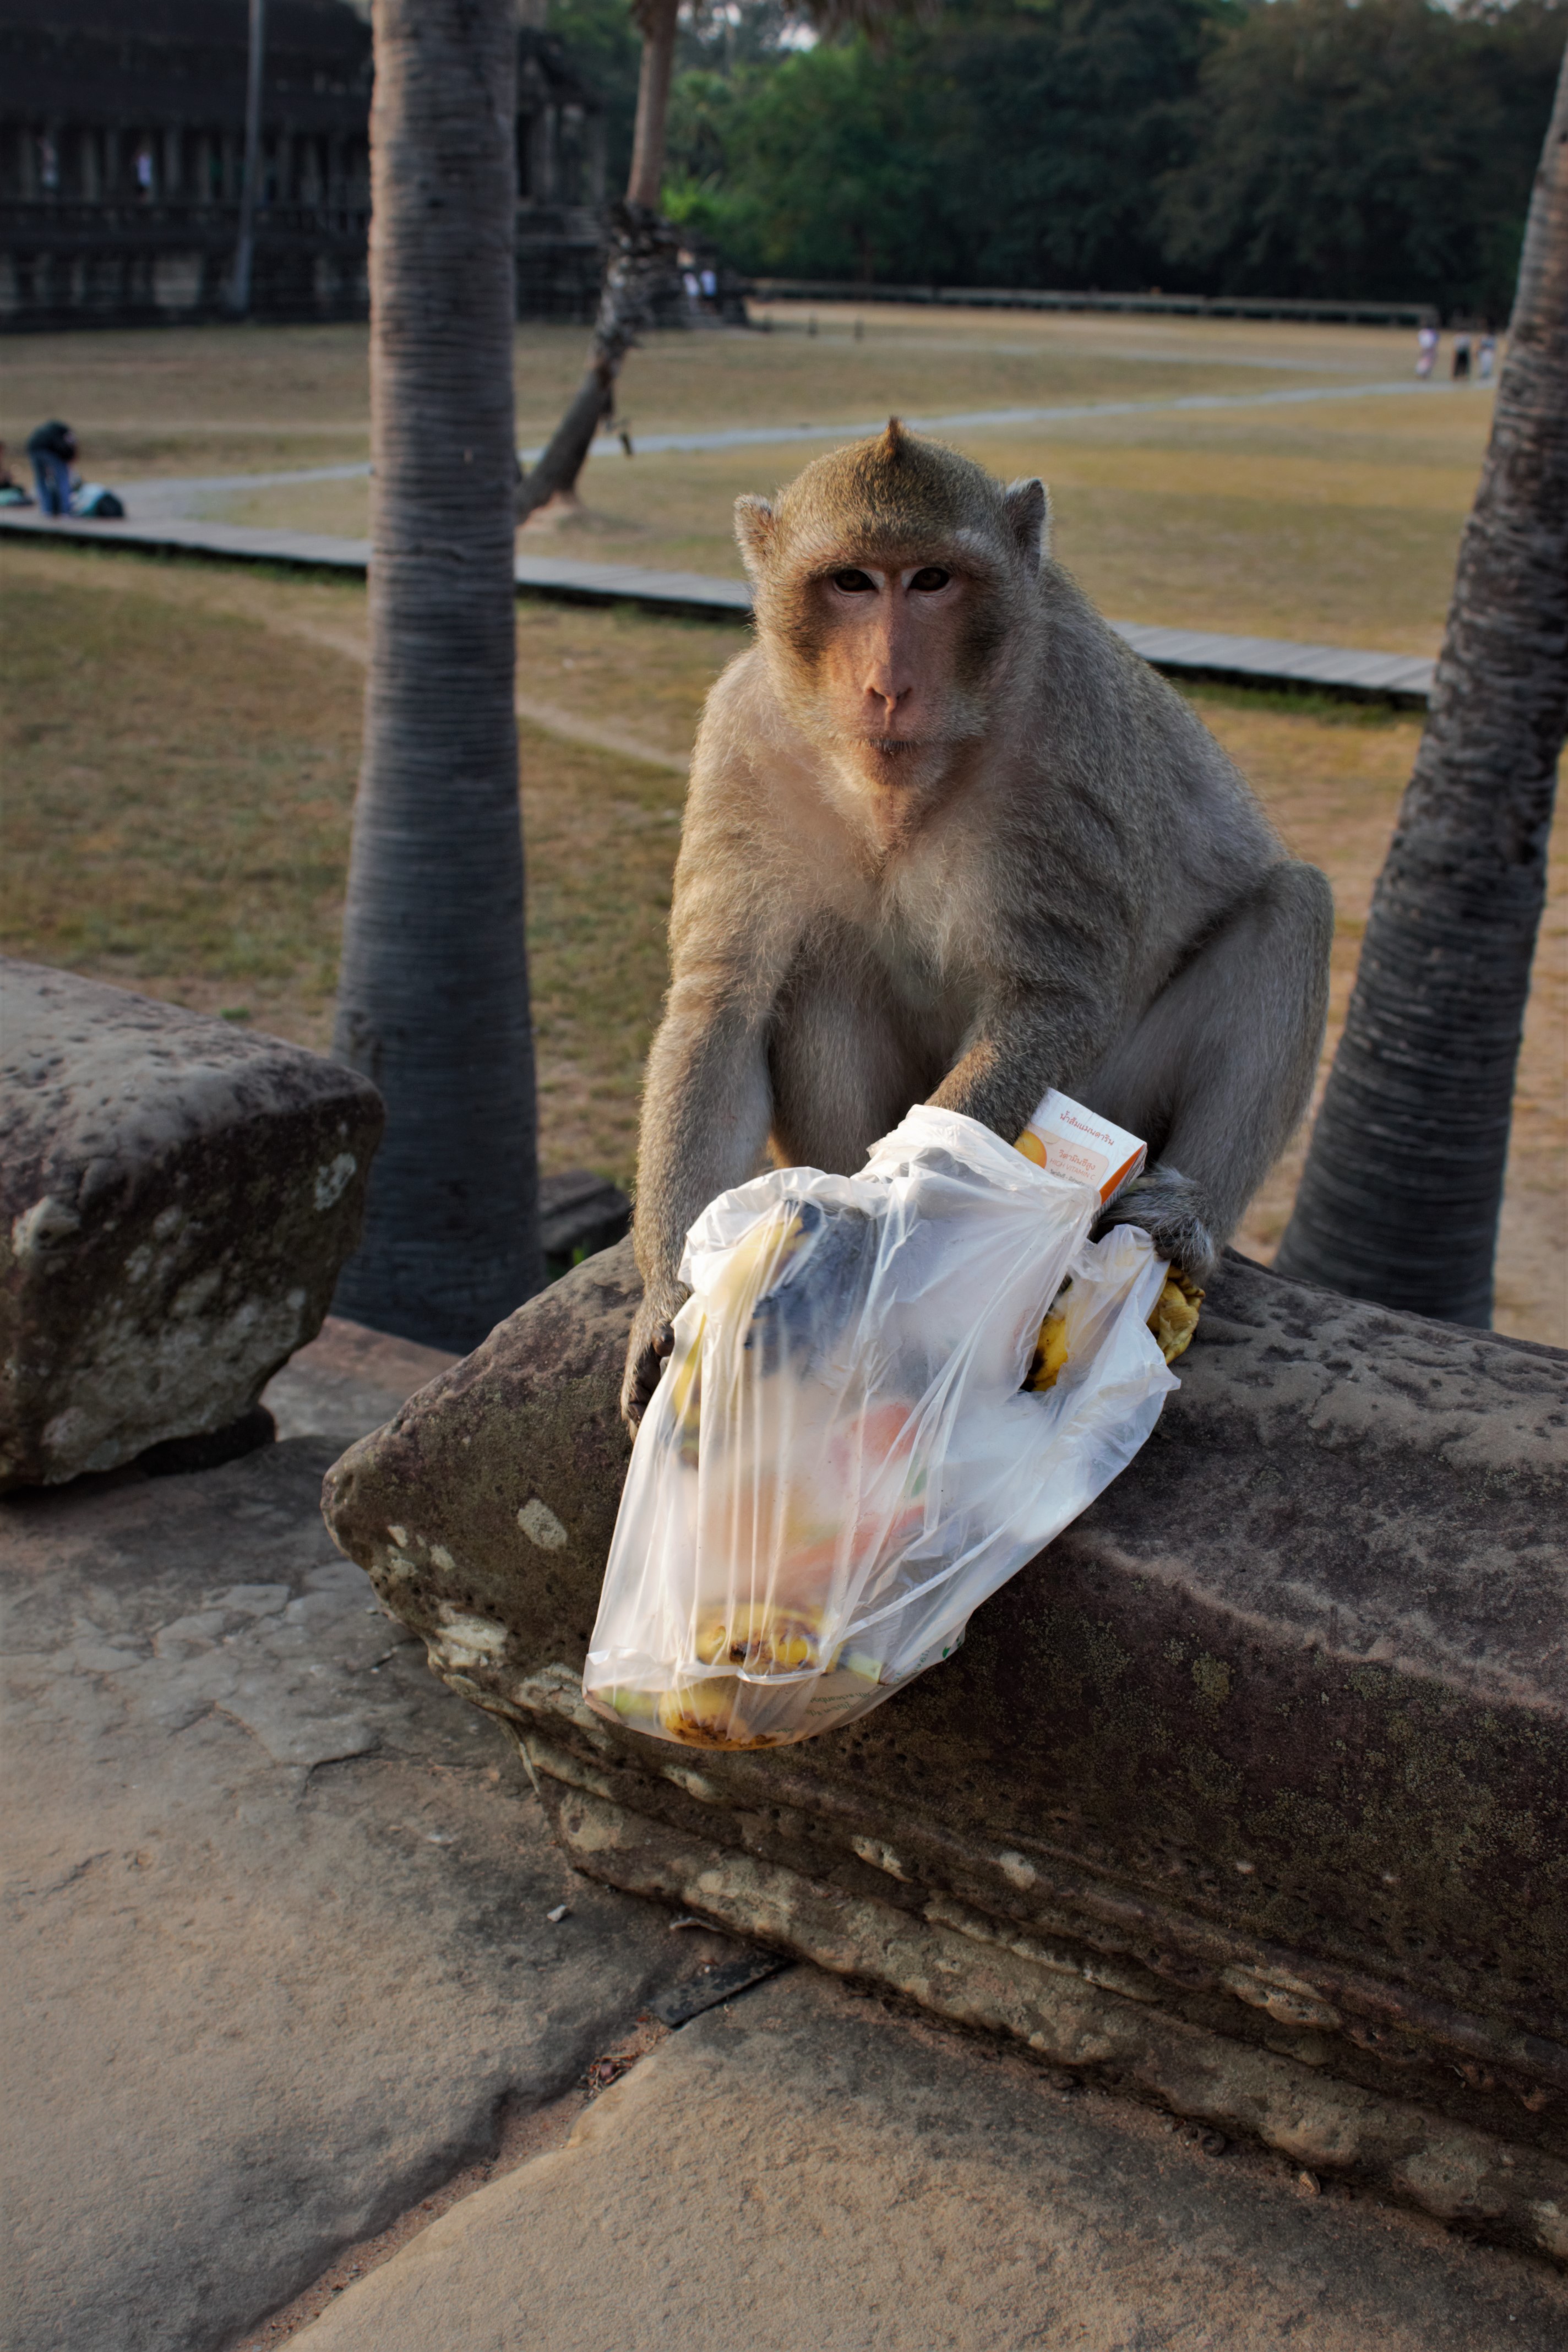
1401, 1193
433, 1001
643, 244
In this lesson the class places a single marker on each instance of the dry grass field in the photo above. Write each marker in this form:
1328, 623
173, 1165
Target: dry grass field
179, 755
1321, 518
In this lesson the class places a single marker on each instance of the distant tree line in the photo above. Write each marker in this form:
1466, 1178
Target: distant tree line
1346, 148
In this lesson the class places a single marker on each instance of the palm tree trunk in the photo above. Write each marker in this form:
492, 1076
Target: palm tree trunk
1403, 1185
433, 997
645, 178
641, 259
245, 249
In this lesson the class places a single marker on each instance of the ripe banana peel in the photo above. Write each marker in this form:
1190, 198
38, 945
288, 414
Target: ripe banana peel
709, 1714
761, 1639
1172, 1321
1176, 1315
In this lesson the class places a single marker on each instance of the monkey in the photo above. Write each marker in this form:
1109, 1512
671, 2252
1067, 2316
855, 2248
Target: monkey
949, 839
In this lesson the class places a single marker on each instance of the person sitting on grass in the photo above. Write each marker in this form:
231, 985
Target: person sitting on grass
51, 447
12, 494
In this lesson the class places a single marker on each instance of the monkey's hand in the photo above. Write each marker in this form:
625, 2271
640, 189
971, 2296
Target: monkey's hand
1170, 1208
653, 1337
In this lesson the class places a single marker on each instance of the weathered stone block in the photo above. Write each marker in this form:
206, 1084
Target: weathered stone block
1251, 1792
176, 1197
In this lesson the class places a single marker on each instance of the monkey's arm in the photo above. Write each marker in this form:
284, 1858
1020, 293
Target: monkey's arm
706, 1111
706, 1103
1048, 1012
1217, 1070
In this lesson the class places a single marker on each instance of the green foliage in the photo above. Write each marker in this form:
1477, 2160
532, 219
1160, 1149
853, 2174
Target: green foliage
830, 164
1377, 149
602, 44
1072, 116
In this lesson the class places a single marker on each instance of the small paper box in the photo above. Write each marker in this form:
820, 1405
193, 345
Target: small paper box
1069, 1140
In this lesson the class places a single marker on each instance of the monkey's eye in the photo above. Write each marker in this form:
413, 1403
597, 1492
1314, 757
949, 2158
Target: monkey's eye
855, 583
930, 578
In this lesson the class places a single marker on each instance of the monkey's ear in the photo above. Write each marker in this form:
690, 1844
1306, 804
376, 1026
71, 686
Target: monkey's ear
756, 527
1029, 514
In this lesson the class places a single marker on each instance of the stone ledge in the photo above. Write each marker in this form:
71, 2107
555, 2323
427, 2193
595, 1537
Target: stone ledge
959, 1965
176, 1197
1273, 1741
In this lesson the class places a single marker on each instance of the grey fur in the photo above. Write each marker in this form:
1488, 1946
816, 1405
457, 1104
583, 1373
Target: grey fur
1085, 895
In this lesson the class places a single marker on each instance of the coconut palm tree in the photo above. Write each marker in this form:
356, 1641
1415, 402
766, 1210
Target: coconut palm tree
250, 178
1403, 1185
433, 997
642, 245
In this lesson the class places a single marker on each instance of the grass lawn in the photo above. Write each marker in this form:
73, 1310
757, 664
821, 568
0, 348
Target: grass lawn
151, 400
1329, 519
180, 749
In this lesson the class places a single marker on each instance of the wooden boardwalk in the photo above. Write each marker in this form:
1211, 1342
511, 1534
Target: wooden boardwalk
1277, 662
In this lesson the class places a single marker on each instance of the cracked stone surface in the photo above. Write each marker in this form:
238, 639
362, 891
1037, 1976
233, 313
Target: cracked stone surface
801, 2169
277, 1947
278, 1958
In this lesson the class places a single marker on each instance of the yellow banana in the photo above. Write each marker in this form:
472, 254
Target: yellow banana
762, 1640
1176, 1315
708, 1715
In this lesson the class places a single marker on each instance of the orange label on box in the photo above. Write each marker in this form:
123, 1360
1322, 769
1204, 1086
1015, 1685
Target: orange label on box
1071, 1141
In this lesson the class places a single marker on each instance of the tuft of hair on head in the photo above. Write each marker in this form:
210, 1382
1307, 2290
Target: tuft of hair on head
875, 500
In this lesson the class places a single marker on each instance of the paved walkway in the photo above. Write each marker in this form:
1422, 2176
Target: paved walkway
291, 1965
183, 494
1183, 653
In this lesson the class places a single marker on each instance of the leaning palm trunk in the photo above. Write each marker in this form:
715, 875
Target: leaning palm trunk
433, 998
643, 245
1403, 1185
641, 260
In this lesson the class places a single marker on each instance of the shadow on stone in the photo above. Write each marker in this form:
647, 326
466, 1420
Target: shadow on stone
177, 1457
579, 1215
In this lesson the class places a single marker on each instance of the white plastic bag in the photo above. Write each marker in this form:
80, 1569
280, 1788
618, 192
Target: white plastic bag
840, 1463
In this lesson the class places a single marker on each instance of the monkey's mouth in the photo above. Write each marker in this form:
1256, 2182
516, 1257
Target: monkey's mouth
893, 747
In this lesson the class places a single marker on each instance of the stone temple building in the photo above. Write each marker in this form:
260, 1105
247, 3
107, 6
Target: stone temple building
121, 153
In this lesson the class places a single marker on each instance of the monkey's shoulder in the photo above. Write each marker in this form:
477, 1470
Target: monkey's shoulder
750, 753
740, 696
1101, 709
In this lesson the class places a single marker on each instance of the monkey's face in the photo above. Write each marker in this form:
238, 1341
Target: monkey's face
893, 659
892, 581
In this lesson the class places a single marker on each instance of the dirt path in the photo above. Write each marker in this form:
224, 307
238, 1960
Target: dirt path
550, 718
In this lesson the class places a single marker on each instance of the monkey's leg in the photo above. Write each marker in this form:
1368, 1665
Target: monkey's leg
1217, 1073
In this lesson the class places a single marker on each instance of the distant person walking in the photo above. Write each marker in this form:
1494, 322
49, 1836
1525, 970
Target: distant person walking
1425, 351
1485, 357
1462, 358
51, 448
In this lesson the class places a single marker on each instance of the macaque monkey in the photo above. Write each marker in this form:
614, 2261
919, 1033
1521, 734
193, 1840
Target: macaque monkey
948, 839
